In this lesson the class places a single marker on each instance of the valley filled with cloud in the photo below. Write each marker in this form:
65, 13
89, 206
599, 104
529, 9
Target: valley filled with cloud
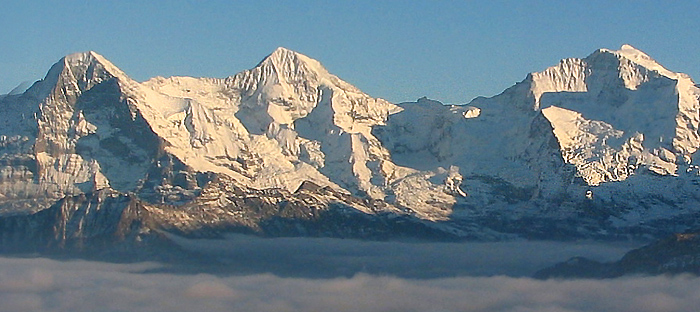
302, 274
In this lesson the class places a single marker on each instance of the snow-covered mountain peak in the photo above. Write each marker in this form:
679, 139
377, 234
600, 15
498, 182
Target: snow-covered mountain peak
632, 52
631, 56
629, 47
621, 96
91, 61
639, 57
289, 64
601, 73
83, 57
287, 85
284, 121
76, 73
282, 55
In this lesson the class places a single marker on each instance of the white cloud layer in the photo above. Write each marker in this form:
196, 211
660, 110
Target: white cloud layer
37, 284
305, 274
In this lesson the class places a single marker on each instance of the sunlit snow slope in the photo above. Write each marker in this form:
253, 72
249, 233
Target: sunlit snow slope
600, 146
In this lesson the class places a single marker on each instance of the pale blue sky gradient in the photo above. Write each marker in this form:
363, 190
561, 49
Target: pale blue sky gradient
451, 51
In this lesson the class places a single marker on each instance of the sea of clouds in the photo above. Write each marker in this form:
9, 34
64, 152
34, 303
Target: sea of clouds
340, 275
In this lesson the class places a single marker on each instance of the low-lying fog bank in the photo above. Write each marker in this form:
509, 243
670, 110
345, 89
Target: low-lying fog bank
39, 284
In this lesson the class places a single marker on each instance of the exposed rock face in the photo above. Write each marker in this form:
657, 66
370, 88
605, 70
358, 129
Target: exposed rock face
596, 147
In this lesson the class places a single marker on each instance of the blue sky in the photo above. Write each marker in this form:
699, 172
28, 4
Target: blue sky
451, 51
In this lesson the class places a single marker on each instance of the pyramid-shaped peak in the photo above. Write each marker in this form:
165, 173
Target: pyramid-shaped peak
284, 59
281, 55
84, 69
81, 58
283, 50
290, 63
85, 60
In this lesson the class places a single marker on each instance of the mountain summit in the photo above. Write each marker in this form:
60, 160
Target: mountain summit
602, 146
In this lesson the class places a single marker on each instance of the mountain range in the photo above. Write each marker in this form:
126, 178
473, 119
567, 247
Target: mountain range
602, 147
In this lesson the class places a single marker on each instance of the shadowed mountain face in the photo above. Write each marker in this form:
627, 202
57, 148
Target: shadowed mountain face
676, 254
600, 147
